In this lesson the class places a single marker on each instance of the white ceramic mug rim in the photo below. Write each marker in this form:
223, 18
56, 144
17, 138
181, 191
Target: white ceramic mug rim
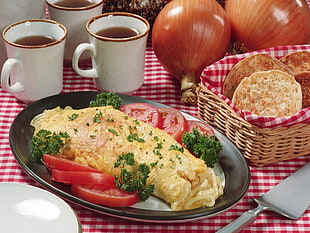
34, 46
140, 35
75, 8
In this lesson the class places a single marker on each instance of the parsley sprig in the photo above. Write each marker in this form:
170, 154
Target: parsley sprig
47, 142
106, 99
204, 147
134, 137
131, 181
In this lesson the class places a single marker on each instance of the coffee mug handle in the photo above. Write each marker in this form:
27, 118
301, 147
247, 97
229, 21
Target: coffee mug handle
81, 48
5, 76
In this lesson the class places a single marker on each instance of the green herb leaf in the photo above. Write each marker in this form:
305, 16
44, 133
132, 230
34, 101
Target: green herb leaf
130, 181
177, 148
73, 117
113, 131
125, 159
147, 192
47, 142
106, 99
204, 147
97, 117
134, 137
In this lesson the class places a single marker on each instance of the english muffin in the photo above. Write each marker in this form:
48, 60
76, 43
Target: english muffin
303, 78
297, 61
248, 66
269, 93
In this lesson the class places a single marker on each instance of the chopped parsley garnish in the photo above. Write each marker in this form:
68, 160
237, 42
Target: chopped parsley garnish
159, 145
97, 117
204, 147
73, 117
110, 119
154, 164
177, 148
132, 128
130, 181
125, 159
134, 137
47, 142
136, 121
106, 99
157, 152
113, 131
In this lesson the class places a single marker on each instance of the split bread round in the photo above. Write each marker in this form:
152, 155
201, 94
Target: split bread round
248, 66
297, 61
269, 93
303, 78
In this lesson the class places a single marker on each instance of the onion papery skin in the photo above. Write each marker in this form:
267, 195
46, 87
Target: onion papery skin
187, 36
261, 24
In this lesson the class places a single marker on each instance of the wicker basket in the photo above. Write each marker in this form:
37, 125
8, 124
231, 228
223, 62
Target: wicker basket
261, 146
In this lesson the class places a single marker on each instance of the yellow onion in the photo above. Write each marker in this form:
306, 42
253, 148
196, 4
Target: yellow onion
260, 24
187, 36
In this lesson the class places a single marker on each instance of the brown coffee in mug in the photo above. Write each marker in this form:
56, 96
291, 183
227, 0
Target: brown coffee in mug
34, 40
117, 32
74, 4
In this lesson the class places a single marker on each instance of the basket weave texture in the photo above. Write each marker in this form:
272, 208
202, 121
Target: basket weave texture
261, 146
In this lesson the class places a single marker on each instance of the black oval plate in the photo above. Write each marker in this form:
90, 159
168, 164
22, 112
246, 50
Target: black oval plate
233, 164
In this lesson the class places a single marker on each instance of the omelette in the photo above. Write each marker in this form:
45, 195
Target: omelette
99, 135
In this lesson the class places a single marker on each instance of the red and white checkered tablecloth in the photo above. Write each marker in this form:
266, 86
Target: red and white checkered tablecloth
161, 87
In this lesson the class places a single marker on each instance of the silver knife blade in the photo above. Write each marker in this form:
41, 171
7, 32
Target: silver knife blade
290, 198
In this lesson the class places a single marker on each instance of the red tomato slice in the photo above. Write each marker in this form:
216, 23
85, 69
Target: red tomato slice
201, 127
112, 197
56, 162
77, 177
173, 122
143, 112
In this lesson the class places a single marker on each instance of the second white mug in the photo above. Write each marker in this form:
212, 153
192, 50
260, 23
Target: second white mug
74, 15
117, 46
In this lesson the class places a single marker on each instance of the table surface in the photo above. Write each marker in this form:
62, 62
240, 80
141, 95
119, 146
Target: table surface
161, 87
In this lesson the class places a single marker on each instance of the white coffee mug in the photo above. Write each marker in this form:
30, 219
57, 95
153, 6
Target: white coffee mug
17, 10
117, 63
74, 19
33, 71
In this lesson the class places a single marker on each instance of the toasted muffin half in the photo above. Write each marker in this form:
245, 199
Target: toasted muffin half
248, 66
299, 63
269, 93
303, 78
